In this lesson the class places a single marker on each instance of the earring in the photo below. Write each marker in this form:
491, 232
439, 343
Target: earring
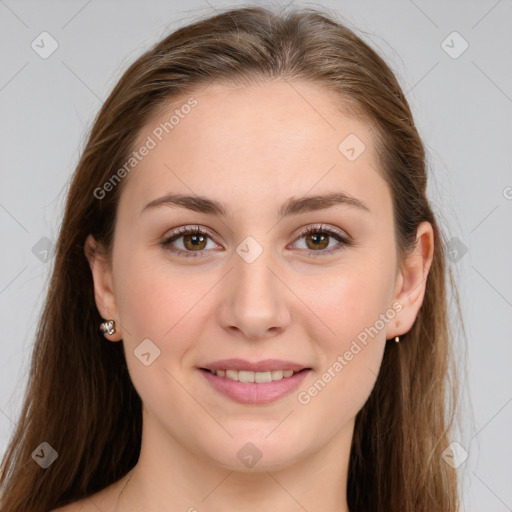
108, 327
397, 339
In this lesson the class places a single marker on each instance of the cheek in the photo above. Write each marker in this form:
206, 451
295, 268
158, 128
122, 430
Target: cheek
347, 301
351, 356
160, 302
353, 304
161, 305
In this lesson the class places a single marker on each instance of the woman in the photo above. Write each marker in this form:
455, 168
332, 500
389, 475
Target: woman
248, 306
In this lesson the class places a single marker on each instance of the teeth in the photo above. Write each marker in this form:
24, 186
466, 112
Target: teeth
244, 376
230, 374
258, 377
262, 376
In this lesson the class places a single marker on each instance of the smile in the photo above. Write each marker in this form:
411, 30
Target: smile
254, 387
258, 377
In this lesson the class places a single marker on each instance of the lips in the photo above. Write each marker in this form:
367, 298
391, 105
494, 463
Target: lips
248, 376
254, 382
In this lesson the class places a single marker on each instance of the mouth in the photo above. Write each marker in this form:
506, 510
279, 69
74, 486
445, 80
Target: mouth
257, 377
254, 383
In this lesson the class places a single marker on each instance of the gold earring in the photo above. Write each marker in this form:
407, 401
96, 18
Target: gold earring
397, 339
108, 327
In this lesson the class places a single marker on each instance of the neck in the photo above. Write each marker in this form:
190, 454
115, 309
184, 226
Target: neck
168, 474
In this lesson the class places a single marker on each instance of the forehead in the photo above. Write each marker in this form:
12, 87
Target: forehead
260, 115
251, 142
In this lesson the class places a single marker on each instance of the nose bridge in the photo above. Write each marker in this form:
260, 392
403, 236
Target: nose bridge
257, 298
255, 283
252, 271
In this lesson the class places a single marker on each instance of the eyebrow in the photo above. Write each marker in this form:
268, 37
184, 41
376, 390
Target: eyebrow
292, 206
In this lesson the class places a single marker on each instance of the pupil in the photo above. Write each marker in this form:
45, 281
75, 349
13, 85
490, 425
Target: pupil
318, 240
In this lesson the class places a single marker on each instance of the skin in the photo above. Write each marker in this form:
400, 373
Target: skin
252, 148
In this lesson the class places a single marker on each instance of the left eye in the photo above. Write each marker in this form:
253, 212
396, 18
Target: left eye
195, 241
317, 240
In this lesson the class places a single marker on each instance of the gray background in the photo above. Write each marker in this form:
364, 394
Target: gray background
463, 109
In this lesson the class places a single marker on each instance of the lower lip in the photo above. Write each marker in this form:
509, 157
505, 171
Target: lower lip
253, 393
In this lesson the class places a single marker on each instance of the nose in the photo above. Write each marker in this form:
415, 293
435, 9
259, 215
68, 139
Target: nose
254, 298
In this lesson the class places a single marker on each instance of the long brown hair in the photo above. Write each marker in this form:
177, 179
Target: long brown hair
80, 398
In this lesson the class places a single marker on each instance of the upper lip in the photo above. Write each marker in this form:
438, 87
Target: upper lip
257, 366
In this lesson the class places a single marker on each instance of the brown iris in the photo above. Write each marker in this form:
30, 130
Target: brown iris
194, 241
320, 241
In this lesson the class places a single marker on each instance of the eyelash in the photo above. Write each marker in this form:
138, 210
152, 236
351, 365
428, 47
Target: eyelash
197, 230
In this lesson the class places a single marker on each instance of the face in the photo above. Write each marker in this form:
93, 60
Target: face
249, 288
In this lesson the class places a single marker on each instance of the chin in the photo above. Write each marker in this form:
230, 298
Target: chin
258, 452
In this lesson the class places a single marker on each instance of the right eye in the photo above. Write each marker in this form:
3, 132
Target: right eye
194, 243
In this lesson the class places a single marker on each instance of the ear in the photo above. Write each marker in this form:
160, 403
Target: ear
412, 281
103, 285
